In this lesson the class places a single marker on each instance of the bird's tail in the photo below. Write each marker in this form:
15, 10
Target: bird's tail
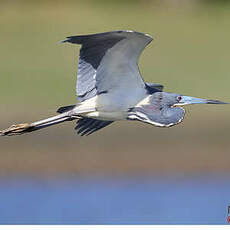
29, 127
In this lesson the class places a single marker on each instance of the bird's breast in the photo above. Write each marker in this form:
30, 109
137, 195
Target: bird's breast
112, 105
107, 116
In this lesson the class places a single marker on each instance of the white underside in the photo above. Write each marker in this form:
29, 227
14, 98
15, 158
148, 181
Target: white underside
110, 106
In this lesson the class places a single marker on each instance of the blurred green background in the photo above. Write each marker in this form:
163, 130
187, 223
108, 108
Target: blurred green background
190, 55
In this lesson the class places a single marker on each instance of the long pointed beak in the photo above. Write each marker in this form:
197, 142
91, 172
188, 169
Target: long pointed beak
185, 100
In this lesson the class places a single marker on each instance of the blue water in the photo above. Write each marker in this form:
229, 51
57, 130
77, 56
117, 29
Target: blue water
115, 201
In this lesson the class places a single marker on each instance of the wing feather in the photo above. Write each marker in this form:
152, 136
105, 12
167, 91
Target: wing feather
87, 126
108, 61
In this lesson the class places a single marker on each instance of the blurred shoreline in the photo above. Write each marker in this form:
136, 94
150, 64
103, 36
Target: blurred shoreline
189, 55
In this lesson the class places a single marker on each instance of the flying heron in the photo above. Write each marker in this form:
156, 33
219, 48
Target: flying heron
110, 87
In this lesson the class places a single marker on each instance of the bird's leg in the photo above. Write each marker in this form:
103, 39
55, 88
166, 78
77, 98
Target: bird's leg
29, 127
15, 129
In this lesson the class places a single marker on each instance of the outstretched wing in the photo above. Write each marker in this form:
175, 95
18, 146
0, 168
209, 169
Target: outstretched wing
109, 61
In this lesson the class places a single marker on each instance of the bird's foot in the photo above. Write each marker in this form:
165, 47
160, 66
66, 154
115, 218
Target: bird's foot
15, 129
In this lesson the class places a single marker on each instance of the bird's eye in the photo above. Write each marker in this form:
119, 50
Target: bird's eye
179, 98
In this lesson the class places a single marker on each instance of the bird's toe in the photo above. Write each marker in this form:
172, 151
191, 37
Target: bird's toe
15, 129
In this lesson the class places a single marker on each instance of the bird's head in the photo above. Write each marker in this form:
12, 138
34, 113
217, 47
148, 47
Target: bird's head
164, 109
181, 100
173, 99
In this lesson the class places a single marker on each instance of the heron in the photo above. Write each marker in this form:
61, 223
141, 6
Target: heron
110, 88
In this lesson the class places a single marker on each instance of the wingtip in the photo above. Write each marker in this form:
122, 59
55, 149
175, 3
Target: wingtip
151, 37
63, 41
145, 34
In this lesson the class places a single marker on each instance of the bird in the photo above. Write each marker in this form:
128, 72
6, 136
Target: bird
110, 88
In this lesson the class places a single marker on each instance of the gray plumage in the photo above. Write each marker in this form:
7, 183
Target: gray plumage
110, 87
159, 110
87, 126
93, 68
